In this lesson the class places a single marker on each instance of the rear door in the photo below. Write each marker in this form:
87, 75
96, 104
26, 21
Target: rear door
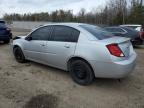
61, 45
35, 48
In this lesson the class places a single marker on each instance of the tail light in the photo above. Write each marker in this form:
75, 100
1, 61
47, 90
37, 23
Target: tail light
115, 50
141, 34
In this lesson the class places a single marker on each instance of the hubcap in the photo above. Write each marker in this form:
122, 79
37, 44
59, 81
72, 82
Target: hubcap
80, 71
18, 55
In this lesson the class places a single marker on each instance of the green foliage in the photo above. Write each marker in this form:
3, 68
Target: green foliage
137, 15
118, 20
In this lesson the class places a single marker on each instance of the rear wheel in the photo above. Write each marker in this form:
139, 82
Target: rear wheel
19, 56
81, 72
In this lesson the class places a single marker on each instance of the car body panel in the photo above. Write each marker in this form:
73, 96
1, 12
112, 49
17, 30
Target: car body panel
118, 69
34, 49
58, 52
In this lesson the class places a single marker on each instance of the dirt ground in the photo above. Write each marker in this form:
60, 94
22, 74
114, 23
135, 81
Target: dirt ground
32, 85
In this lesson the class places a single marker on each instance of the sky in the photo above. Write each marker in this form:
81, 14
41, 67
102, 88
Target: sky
31, 6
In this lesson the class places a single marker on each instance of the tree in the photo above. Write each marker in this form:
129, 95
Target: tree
116, 12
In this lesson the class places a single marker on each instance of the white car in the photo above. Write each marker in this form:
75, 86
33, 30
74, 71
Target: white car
86, 51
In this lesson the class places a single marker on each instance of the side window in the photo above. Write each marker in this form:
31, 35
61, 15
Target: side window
75, 35
42, 33
65, 34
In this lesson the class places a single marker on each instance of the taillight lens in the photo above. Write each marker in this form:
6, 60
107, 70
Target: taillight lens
141, 34
115, 50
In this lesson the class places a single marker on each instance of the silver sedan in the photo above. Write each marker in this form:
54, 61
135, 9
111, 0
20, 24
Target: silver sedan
86, 51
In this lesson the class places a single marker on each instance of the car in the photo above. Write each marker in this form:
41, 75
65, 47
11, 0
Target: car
142, 35
5, 32
86, 51
133, 26
126, 32
137, 28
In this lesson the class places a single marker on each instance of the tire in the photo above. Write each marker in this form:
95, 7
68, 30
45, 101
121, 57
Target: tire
81, 72
19, 56
7, 41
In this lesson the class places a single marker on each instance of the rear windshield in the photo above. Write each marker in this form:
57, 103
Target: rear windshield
2, 24
98, 32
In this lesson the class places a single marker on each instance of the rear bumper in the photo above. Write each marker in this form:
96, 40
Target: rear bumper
114, 69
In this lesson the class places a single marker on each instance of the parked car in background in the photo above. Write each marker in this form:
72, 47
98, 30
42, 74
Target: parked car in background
86, 51
133, 26
5, 32
136, 27
126, 32
142, 32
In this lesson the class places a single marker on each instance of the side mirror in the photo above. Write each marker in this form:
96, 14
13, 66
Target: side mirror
29, 38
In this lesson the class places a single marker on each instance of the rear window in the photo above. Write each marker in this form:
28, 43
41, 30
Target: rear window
2, 24
112, 29
96, 31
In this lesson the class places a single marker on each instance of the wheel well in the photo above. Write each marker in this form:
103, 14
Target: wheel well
15, 46
77, 58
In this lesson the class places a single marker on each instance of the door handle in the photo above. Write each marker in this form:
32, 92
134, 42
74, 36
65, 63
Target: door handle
42, 44
67, 46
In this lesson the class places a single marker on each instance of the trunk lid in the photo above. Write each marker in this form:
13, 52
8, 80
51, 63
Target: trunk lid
123, 43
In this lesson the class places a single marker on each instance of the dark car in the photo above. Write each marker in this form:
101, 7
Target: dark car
5, 32
126, 32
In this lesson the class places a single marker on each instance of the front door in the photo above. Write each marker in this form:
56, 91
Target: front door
34, 49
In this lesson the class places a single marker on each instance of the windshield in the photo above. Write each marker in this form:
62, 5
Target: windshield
96, 31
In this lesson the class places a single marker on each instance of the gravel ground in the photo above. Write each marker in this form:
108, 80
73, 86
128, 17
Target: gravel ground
32, 85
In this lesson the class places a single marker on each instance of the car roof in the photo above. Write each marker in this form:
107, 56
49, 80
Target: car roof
123, 27
119, 27
131, 25
111, 27
67, 24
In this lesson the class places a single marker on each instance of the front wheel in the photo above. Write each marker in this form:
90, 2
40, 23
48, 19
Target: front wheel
19, 56
81, 72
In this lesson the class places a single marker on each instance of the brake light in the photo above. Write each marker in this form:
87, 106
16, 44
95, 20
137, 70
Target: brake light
141, 35
115, 50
